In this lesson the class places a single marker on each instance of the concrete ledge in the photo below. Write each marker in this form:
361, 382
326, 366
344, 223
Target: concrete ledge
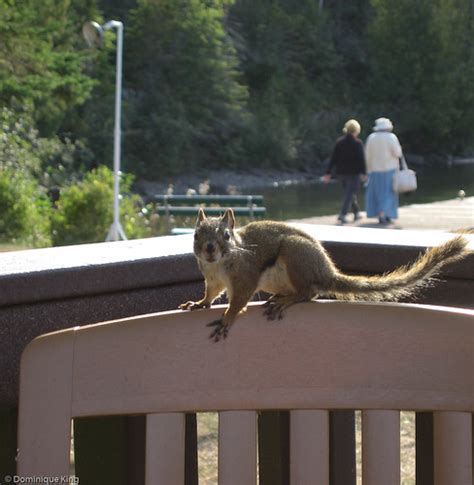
90, 269
50, 289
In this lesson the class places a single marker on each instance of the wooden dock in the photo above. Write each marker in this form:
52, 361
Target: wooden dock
447, 215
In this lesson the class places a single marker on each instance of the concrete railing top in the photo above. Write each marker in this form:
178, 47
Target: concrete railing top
41, 274
45, 274
66, 257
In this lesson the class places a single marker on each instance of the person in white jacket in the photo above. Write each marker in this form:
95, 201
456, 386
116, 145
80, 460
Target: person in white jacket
382, 152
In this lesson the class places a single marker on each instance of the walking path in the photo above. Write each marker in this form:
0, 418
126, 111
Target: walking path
447, 215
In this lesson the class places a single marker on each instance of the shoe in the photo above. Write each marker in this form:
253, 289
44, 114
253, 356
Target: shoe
357, 217
342, 219
382, 220
388, 220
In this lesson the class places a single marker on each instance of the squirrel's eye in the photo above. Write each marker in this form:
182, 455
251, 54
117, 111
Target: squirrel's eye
226, 235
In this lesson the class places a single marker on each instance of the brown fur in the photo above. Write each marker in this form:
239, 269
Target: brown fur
292, 266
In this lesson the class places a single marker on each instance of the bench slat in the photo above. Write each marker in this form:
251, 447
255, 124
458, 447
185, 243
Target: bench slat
381, 447
452, 448
209, 199
165, 449
212, 211
309, 447
238, 448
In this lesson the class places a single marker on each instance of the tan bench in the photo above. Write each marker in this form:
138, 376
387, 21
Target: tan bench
381, 358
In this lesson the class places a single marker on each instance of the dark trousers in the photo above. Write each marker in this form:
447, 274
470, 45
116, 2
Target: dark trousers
351, 186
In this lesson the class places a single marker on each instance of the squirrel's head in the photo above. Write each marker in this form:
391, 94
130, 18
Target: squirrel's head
214, 236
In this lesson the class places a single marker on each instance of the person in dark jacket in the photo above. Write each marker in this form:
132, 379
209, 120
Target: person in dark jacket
348, 161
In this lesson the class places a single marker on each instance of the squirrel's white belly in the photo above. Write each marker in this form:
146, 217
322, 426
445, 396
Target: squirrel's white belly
275, 280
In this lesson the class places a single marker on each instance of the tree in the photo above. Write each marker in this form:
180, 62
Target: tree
185, 105
402, 48
40, 60
24, 210
290, 63
422, 66
85, 210
117, 9
50, 161
451, 106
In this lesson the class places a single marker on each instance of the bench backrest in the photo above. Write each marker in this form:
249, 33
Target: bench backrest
250, 206
244, 200
380, 358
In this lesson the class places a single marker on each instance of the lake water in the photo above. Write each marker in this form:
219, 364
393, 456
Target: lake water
317, 199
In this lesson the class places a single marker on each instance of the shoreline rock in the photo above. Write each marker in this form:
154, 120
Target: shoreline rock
246, 181
228, 181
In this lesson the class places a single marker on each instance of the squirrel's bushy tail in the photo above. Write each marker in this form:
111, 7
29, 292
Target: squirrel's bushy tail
403, 281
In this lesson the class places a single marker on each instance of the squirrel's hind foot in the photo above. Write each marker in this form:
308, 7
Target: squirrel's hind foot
221, 330
276, 305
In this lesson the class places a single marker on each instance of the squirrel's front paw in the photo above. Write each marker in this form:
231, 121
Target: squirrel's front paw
221, 330
193, 305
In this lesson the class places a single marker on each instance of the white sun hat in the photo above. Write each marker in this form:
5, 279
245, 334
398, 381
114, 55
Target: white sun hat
383, 124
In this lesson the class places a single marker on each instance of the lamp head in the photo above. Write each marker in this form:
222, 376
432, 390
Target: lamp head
93, 33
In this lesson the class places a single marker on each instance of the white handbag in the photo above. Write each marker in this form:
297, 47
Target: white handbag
405, 179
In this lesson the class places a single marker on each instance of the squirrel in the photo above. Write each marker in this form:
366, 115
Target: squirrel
293, 267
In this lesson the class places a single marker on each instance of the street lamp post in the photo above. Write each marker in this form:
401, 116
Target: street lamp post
93, 33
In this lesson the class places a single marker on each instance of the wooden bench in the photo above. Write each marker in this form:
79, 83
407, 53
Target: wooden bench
250, 206
380, 358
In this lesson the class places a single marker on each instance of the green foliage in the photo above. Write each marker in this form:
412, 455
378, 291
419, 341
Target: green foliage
404, 71
185, 105
25, 211
422, 66
50, 161
289, 63
30, 165
452, 96
40, 61
85, 210
241, 83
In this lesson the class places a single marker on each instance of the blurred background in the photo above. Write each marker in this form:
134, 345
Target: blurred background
216, 88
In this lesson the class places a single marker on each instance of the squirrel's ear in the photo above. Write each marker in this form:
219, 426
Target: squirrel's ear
201, 217
229, 218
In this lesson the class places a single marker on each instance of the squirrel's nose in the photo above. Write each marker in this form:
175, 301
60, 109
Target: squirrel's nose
210, 247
